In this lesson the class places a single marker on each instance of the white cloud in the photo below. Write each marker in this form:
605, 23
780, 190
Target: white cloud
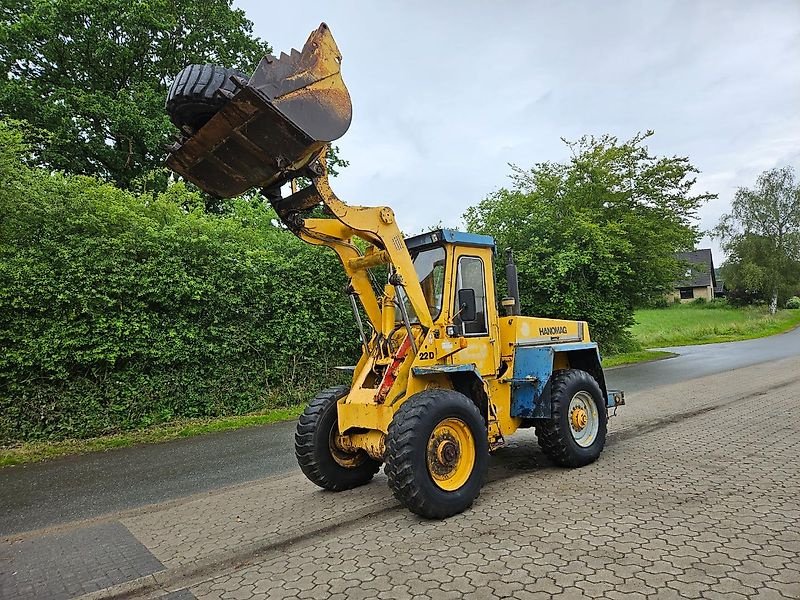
446, 94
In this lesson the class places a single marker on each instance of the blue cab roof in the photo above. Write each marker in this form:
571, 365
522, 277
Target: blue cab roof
450, 236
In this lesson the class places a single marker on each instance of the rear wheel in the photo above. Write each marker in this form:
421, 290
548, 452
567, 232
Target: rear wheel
320, 460
437, 453
575, 434
193, 97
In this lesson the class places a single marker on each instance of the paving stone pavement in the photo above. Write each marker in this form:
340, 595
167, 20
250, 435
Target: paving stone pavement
67, 564
697, 495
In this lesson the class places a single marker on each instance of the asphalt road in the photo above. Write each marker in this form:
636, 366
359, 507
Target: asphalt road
698, 361
82, 487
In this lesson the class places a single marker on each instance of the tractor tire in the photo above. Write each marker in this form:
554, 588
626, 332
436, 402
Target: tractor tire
323, 464
192, 98
575, 434
437, 453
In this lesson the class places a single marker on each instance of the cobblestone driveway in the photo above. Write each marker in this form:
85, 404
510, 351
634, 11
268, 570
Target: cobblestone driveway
696, 496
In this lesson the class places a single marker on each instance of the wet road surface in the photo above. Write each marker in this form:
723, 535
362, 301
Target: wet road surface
699, 361
82, 487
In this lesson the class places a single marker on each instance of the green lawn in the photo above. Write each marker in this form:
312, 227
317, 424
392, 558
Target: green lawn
687, 324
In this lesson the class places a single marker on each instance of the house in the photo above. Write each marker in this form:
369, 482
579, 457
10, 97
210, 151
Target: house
700, 279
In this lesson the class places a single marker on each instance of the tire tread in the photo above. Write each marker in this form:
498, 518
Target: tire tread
404, 440
306, 450
192, 97
552, 434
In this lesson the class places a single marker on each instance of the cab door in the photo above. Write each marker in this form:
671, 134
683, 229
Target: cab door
471, 270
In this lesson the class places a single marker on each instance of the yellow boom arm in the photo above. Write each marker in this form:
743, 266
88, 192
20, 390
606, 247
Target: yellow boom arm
374, 225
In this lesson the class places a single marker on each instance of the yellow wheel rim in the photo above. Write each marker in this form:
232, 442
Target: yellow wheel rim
451, 454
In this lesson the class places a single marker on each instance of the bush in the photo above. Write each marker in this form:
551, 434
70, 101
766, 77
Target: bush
120, 311
699, 301
739, 297
718, 303
793, 303
660, 302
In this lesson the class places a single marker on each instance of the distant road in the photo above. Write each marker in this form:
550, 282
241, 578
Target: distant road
697, 361
80, 487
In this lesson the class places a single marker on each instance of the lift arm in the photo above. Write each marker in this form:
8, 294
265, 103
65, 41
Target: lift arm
374, 225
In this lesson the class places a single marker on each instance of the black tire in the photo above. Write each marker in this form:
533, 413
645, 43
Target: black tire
313, 448
193, 99
407, 468
555, 435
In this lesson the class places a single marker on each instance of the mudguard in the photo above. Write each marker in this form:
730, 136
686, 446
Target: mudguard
533, 368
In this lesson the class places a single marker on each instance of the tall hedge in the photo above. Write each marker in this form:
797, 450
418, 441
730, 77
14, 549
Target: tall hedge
120, 311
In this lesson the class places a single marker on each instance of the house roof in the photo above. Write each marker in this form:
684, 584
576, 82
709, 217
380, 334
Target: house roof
700, 272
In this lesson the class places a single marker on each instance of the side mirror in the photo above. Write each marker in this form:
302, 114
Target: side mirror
467, 305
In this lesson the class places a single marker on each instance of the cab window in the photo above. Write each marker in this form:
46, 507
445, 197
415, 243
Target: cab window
471, 276
429, 265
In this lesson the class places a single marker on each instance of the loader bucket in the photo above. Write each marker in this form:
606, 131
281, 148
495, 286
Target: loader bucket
273, 126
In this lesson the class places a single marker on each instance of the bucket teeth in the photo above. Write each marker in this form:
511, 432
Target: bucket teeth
318, 60
284, 59
287, 63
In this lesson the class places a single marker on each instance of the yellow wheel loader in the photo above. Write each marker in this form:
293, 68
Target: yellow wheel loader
444, 378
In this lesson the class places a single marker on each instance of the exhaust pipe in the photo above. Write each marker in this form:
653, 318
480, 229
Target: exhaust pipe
511, 301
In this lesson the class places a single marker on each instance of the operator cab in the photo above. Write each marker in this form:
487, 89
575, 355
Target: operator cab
471, 297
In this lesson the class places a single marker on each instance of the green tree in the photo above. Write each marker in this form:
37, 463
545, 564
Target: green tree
595, 236
761, 236
94, 74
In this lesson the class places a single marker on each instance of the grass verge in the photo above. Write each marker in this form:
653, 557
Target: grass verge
685, 325
37, 451
631, 358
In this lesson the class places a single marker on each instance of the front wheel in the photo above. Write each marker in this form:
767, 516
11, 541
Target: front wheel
575, 434
320, 460
437, 453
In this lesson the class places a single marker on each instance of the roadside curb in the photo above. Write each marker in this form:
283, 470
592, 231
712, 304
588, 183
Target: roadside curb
164, 582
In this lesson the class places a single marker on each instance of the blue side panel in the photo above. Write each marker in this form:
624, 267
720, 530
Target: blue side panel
615, 398
533, 366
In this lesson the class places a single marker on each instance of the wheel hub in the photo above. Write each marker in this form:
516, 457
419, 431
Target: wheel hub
447, 453
584, 419
450, 454
579, 418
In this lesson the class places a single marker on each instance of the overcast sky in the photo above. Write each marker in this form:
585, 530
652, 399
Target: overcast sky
446, 94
